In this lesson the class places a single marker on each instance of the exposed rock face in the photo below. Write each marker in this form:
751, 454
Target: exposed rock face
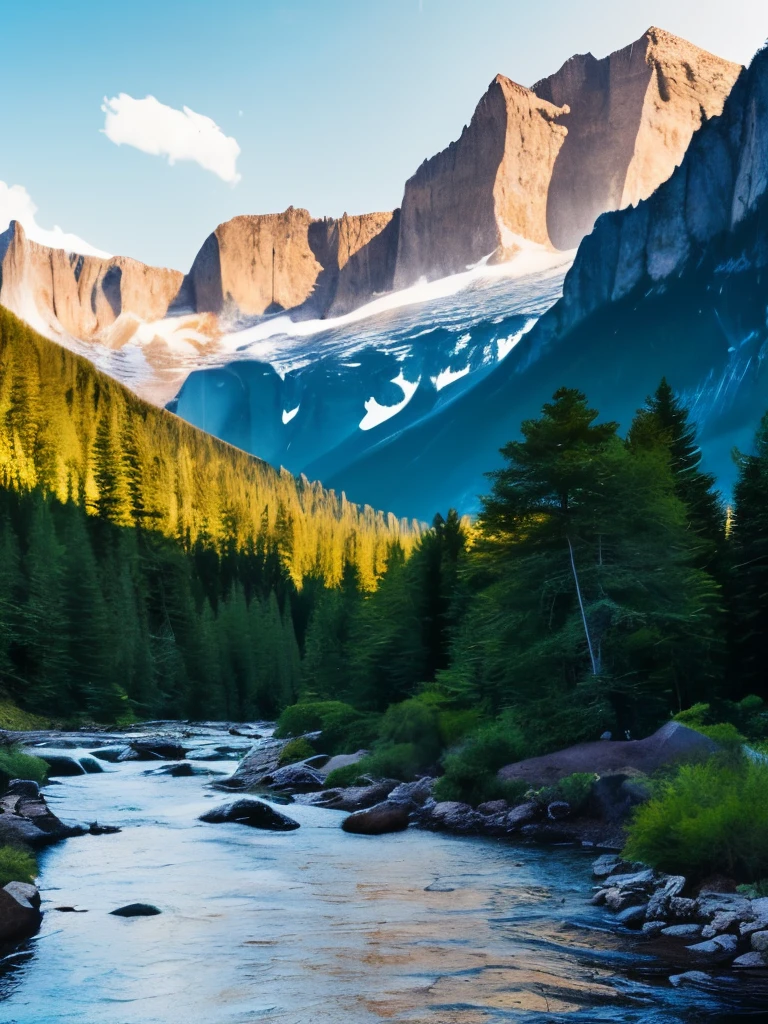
256, 264
475, 197
251, 812
632, 116
81, 295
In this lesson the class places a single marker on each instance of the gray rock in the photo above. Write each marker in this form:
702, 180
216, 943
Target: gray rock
682, 931
91, 765
454, 816
262, 758
493, 807
384, 817
619, 899
24, 891
136, 910
606, 865
23, 787
558, 810
690, 978
682, 908
723, 921
109, 754
644, 880
709, 904
342, 760
413, 793
18, 917
659, 904
750, 960
522, 815
721, 946
760, 942
632, 917
255, 813
354, 798
654, 928
294, 778
439, 887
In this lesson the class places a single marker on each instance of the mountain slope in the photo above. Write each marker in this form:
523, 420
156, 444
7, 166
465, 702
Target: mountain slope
75, 433
677, 286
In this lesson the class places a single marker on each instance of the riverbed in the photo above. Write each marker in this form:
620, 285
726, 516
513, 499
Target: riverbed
316, 926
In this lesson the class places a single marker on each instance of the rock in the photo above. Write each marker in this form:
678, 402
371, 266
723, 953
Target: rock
453, 816
632, 917
752, 960
91, 765
493, 807
614, 797
682, 931
682, 908
412, 793
109, 754
439, 887
689, 978
654, 928
558, 810
641, 881
384, 817
669, 745
354, 798
136, 910
711, 904
157, 748
294, 778
28, 819
261, 759
618, 899
19, 918
660, 901
255, 813
760, 942
723, 921
24, 891
61, 765
95, 829
343, 761
181, 770
23, 787
720, 946
606, 865
522, 815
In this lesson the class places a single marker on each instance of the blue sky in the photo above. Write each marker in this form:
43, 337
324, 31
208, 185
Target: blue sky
332, 103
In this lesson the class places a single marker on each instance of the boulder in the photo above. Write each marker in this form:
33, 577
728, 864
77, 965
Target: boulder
255, 813
754, 960
632, 917
682, 908
294, 778
61, 765
19, 918
723, 921
91, 765
607, 864
23, 787
760, 942
375, 821
682, 931
453, 816
659, 904
493, 807
721, 946
24, 891
558, 810
711, 904
522, 815
354, 798
109, 754
671, 744
162, 748
136, 910
261, 759
28, 819
689, 978
614, 797
654, 928
412, 793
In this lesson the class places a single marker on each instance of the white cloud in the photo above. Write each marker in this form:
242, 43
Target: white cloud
16, 204
155, 128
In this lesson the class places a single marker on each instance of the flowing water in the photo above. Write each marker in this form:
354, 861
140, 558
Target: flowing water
317, 927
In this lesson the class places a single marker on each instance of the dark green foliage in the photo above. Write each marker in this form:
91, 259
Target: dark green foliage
413, 722
470, 771
298, 749
574, 789
396, 761
17, 865
311, 717
17, 765
708, 817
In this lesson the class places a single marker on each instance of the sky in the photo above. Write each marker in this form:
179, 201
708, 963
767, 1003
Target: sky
141, 126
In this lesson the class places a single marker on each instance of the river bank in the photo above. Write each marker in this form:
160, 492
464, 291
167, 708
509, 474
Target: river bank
320, 924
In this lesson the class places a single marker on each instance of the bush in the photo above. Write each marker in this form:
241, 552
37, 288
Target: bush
344, 730
455, 726
398, 761
470, 771
16, 865
574, 789
487, 786
754, 890
16, 765
694, 716
298, 749
413, 722
710, 817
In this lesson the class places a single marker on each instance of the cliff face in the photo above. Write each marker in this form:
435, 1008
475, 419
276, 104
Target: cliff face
472, 199
256, 264
80, 295
632, 116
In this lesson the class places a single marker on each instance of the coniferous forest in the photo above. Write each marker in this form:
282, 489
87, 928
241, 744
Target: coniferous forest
148, 569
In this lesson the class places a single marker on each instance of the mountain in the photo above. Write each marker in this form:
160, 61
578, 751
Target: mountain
676, 286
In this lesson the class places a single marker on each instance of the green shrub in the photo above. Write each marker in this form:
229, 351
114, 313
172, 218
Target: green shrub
754, 890
344, 730
694, 716
487, 786
576, 789
413, 722
710, 817
298, 749
726, 735
16, 865
17, 765
399, 761
470, 771
455, 726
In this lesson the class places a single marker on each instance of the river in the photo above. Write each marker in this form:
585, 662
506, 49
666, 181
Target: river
319, 927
